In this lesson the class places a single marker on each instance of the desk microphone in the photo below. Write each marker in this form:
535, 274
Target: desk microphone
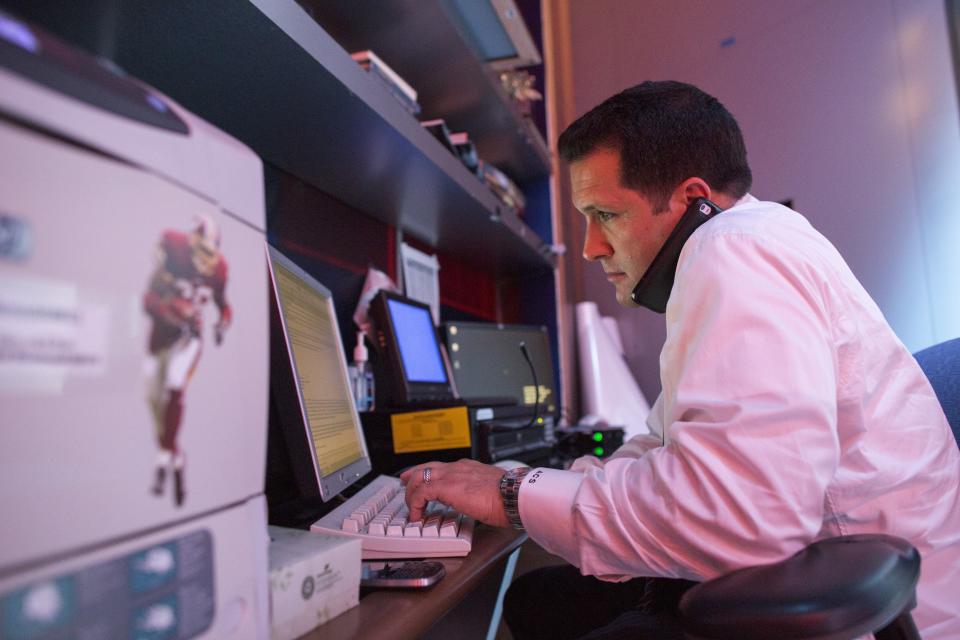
536, 386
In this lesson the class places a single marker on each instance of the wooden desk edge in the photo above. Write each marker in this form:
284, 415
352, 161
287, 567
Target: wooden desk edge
408, 614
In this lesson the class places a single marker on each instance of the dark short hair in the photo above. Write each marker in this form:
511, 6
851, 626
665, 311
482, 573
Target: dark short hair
665, 132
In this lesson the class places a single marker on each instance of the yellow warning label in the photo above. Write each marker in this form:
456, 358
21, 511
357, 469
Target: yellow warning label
430, 430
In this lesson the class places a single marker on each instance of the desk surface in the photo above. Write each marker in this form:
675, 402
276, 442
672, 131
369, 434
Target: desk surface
409, 613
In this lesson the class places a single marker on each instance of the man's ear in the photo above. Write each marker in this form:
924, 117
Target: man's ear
693, 188
688, 191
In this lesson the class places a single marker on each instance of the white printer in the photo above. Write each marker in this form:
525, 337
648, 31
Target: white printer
133, 358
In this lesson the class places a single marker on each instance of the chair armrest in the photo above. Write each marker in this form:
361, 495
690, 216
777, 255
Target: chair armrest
834, 589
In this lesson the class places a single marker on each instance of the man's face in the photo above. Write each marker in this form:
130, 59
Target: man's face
624, 233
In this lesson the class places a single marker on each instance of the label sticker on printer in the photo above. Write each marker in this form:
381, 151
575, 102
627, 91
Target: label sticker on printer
430, 430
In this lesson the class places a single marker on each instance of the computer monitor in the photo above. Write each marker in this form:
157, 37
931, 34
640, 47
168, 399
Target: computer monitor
486, 359
409, 342
310, 384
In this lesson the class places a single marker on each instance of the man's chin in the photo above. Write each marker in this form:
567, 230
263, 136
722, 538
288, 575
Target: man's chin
624, 299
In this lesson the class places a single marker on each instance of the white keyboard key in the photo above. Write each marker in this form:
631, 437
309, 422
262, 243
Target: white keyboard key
377, 528
413, 529
395, 528
351, 525
431, 526
450, 526
395, 505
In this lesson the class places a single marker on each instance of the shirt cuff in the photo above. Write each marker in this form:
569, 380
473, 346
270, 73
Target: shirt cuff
546, 510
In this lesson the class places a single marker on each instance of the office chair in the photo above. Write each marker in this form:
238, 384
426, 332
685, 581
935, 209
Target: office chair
941, 364
834, 589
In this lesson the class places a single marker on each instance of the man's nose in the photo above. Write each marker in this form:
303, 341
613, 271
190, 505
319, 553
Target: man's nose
595, 246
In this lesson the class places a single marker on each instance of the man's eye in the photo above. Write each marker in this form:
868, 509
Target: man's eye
605, 216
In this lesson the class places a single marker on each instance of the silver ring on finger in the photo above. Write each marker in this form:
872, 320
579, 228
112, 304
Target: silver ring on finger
427, 475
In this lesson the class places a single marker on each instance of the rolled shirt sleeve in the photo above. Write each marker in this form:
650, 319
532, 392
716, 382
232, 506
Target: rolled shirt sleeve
749, 408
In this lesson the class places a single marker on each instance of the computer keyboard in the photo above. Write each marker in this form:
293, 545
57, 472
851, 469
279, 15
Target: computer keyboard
378, 516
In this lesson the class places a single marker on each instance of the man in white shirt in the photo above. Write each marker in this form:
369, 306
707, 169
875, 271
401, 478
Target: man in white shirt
789, 412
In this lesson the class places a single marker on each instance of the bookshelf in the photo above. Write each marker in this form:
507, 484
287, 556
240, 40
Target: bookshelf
267, 73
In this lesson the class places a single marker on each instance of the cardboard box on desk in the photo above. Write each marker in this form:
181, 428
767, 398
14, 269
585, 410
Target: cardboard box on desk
313, 578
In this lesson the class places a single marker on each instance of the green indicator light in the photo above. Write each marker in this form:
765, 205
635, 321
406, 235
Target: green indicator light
539, 420
597, 436
598, 451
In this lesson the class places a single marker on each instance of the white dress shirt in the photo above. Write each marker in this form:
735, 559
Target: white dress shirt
790, 412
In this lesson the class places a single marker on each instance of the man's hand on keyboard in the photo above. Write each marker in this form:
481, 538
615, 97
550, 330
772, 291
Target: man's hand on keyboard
470, 487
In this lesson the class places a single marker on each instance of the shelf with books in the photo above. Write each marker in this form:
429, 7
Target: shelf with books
424, 42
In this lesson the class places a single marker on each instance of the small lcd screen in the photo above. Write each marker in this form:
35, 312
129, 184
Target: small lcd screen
417, 340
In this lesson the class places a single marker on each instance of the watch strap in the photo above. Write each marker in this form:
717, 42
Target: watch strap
510, 492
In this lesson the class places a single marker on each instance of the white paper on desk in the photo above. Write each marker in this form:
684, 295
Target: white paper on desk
421, 278
609, 389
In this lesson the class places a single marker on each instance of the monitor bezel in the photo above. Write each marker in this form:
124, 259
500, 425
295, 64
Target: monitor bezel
312, 482
411, 392
500, 327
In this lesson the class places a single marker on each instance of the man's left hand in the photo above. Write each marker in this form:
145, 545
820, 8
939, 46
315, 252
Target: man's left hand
470, 487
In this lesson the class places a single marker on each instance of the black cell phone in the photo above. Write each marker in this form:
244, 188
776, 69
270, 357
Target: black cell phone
408, 574
654, 287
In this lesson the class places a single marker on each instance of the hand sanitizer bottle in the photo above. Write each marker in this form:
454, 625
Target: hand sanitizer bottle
361, 376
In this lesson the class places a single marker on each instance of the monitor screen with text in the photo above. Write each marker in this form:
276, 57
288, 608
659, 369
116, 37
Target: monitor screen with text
318, 366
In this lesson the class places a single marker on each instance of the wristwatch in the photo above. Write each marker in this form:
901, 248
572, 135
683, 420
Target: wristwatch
510, 492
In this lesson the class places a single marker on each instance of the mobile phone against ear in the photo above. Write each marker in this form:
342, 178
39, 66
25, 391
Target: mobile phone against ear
412, 574
654, 287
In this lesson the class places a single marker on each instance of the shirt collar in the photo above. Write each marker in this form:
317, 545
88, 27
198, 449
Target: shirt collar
746, 199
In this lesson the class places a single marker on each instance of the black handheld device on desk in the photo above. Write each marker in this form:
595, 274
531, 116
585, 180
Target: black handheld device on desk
412, 369
412, 574
654, 287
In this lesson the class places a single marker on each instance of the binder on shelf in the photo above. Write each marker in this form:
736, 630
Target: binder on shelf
439, 130
397, 86
467, 152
